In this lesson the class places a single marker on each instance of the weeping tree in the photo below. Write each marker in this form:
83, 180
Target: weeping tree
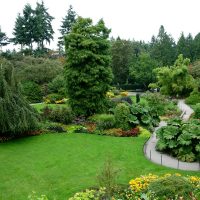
16, 116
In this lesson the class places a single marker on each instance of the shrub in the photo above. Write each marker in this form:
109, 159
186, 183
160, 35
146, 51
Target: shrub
52, 98
62, 115
197, 111
181, 139
124, 94
104, 121
31, 91
121, 114
113, 132
144, 132
89, 194
170, 187
194, 97
156, 101
131, 133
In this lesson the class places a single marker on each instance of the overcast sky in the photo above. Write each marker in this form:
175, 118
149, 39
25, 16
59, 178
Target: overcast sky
129, 19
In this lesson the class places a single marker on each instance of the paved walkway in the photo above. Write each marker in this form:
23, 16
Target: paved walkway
164, 159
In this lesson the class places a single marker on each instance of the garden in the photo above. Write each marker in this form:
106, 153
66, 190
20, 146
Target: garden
71, 133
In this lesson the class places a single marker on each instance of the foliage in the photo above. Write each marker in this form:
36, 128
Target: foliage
87, 70
38, 70
195, 69
16, 115
57, 85
121, 114
163, 188
53, 98
34, 196
104, 121
144, 132
89, 195
161, 104
175, 80
197, 111
163, 48
141, 70
122, 52
185, 46
31, 91
67, 23
181, 139
62, 115
194, 97
3, 39
33, 26
107, 178
143, 115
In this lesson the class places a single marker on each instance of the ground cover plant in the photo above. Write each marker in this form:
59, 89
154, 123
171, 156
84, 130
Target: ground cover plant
61, 165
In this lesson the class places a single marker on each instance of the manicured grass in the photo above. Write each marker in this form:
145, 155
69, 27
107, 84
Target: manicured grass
142, 100
40, 106
59, 165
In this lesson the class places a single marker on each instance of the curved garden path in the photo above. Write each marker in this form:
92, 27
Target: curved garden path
164, 159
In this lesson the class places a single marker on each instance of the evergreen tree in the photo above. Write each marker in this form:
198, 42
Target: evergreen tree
88, 72
19, 32
43, 28
197, 47
24, 27
3, 39
66, 26
16, 115
164, 48
122, 52
185, 46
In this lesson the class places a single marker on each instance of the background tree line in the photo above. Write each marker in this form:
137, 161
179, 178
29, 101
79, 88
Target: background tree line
132, 62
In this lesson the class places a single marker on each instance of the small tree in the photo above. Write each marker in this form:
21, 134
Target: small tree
16, 115
88, 72
3, 39
175, 80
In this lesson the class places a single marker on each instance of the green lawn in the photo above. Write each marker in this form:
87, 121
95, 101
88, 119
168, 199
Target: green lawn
59, 165
40, 106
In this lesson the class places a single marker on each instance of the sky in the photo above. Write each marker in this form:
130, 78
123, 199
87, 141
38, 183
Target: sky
128, 19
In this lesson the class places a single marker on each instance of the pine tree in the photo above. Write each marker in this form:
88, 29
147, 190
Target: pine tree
88, 72
24, 28
3, 39
16, 115
43, 28
164, 48
66, 26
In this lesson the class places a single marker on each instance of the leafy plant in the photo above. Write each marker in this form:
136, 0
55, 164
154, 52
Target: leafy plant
104, 121
170, 187
121, 114
181, 139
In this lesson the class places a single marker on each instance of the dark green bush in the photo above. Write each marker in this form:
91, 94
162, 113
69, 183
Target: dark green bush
121, 114
194, 97
197, 111
171, 187
31, 91
104, 121
62, 115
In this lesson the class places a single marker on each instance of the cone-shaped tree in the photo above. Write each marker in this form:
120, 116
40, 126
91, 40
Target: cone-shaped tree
16, 116
88, 72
